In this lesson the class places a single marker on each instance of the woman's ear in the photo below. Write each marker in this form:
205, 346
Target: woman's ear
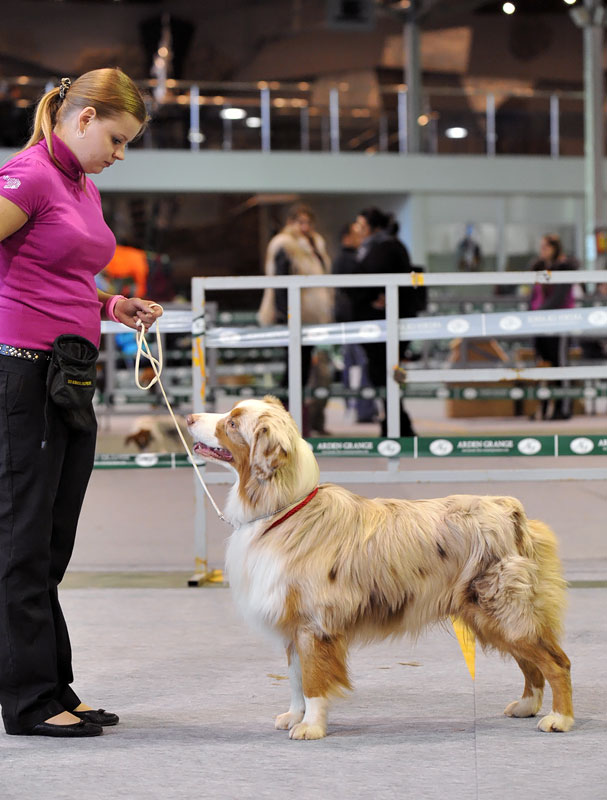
268, 450
85, 117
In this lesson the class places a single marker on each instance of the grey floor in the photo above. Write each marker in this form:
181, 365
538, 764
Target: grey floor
197, 691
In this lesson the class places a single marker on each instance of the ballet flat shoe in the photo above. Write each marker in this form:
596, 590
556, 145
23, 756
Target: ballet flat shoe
98, 717
75, 729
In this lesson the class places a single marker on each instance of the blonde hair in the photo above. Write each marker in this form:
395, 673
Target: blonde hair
109, 91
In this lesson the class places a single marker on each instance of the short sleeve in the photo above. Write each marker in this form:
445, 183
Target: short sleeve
26, 183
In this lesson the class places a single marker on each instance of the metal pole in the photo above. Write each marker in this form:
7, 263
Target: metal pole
265, 121
198, 389
294, 353
392, 341
227, 132
554, 126
491, 135
334, 119
593, 132
304, 122
194, 132
412, 78
383, 133
403, 139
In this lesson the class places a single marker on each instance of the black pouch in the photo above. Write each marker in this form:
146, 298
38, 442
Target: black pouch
71, 379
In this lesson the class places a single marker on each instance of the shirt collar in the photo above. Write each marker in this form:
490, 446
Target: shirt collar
66, 159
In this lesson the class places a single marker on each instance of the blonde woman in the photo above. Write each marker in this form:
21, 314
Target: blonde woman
53, 241
298, 250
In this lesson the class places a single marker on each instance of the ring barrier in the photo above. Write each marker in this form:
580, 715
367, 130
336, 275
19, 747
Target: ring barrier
510, 323
579, 321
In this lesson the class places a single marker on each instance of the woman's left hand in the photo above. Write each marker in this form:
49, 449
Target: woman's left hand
133, 311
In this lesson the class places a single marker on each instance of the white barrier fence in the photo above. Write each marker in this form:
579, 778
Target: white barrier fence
392, 330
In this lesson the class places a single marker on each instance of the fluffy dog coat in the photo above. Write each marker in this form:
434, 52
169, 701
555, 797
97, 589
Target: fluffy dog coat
345, 568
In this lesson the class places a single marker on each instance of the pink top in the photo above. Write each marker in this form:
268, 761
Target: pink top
48, 267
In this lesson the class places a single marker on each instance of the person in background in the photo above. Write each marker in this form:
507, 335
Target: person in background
53, 241
298, 250
469, 257
380, 251
553, 349
355, 372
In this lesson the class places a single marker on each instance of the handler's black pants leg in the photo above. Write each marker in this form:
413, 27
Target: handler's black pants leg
41, 494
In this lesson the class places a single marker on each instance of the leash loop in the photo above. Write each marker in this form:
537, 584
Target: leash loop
143, 349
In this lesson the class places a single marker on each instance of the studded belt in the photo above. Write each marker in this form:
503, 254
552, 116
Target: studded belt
27, 354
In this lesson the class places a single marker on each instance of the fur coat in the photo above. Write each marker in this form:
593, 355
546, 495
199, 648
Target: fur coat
317, 301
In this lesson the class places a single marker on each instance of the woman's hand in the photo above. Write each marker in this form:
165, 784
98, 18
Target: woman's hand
133, 311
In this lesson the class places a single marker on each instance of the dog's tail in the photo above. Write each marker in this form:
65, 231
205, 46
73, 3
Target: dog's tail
551, 597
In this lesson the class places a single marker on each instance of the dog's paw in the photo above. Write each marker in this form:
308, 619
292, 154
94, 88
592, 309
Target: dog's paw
284, 722
525, 707
555, 722
306, 731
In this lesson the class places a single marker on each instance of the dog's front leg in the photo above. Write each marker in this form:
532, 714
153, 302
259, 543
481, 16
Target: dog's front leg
323, 672
296, 710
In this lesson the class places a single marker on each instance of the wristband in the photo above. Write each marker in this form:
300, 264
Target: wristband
109, 307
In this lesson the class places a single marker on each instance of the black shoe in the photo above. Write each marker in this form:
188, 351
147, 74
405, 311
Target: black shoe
99, 717
70, 731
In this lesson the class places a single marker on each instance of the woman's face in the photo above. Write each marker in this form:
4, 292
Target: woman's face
546, 250
362, 226
304, 224
104, 140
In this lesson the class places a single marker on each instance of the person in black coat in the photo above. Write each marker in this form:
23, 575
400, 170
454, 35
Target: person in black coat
381, 251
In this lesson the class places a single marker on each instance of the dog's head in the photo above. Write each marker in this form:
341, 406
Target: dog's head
255, 437
142, 438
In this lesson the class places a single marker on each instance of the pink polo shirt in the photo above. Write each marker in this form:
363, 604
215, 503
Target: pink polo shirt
48, 267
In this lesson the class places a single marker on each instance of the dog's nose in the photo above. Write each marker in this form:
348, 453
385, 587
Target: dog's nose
190, 419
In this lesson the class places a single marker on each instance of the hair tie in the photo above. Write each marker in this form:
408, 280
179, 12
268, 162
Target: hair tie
64, 86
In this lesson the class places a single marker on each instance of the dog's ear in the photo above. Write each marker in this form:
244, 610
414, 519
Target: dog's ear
269, 398
269, 447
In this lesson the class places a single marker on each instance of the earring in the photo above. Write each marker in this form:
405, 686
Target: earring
80, 134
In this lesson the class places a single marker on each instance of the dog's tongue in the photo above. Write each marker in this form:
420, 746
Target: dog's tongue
214, 452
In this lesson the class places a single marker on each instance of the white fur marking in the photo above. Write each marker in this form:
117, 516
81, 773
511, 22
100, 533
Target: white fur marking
555, 722
314, 723
526, 706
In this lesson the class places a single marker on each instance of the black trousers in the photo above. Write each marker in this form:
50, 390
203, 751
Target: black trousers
41, 494
376, 357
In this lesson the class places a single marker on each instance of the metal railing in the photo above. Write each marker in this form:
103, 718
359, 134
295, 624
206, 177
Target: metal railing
304, 116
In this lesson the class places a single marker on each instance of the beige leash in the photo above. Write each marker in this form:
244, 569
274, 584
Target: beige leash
143, 349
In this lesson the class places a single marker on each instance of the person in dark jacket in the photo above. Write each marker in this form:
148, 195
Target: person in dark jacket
552, 349
380, 251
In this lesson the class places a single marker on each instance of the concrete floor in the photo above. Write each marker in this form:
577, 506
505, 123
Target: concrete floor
197, 691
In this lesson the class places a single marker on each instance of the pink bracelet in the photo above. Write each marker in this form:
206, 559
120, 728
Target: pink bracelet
109, 307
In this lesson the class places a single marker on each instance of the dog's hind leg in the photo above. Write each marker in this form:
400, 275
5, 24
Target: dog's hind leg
323, 672
533, 693
556, 667
296, 710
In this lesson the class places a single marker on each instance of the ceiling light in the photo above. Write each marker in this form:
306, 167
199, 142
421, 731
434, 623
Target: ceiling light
456, 133
253, 122
570, 2
508, 8
232, 113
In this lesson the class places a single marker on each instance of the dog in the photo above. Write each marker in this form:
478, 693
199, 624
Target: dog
321, 567
154, 434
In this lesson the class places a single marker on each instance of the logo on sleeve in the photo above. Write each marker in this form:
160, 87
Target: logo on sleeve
11, 183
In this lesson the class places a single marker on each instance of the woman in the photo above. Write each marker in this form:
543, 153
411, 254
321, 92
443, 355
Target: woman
53, 240
552, 349
298, 250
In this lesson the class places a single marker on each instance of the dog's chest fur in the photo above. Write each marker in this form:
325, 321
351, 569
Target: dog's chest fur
256, 576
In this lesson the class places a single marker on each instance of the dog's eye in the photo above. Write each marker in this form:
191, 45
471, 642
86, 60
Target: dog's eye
231, 423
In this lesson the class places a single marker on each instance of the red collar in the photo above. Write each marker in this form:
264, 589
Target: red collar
304, 502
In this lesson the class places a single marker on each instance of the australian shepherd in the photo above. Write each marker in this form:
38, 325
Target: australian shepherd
321, 567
